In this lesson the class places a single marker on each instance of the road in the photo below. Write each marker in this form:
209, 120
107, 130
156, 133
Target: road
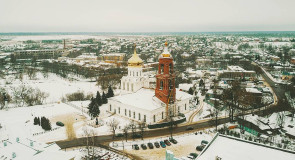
147, 134
279, 90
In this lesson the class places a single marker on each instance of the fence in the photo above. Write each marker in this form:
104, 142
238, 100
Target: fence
35, 134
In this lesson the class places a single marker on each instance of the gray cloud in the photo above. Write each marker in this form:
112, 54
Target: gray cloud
145, 16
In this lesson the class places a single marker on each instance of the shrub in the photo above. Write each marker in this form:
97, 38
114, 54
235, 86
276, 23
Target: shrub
45, 124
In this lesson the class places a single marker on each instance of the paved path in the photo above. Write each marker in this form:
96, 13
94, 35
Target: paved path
192, 116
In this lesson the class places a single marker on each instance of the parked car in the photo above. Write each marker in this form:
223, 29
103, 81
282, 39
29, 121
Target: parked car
167, 142
189, 128
119, 135
200, 147
59, 123
150, 145
163, 145
174, 141
194, 155
136, 136
157, 145
204, 142
135, 147
143, 146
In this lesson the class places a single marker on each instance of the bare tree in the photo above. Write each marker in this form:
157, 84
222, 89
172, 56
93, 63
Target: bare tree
4, 98
142, 126
125, 130
89, 134
133, 128
281, 119
113, 124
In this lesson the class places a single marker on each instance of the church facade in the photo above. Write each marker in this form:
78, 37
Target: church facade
139, 101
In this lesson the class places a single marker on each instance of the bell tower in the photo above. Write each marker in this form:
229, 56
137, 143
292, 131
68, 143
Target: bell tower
165, 85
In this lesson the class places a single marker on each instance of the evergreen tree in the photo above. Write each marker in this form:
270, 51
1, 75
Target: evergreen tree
45, 123
35, 121
91, 106
96, 110
104, 98
110, 92
98, 99
191, 91
39, 121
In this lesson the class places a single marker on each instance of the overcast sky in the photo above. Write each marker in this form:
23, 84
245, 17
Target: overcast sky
146, 15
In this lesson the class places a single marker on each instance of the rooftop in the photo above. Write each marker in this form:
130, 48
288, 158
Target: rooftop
145, 99
230, 148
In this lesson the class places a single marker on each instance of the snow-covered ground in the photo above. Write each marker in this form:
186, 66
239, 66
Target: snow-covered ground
18, 122
54, 85
81, 152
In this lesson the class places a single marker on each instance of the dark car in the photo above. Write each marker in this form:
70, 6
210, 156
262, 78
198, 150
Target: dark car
204, 142
167, 142
143, 146
189, 128
135, 146
119, 135
136, 136
163, 145
157, 145
174, 141
193, 155
59, 123
150, 145
200, 147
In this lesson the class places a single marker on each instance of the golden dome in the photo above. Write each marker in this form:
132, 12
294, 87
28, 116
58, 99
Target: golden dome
135, 61
166, 53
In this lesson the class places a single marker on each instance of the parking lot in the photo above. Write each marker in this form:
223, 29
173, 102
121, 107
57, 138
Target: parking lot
186, 144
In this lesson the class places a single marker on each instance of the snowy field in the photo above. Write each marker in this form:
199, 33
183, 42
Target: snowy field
54, 85
18, 122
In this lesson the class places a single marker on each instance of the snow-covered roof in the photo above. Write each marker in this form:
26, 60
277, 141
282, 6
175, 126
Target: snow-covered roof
146, 99
142, 99
185, 86
230, 148
28, 149
252, 90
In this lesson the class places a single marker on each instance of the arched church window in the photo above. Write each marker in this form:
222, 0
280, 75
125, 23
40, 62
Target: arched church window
170, 68
127, 86
161, 85
154, 118
138, 116
162, 115
162, 68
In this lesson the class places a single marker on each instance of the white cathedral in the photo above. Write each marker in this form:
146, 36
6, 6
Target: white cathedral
137, 100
